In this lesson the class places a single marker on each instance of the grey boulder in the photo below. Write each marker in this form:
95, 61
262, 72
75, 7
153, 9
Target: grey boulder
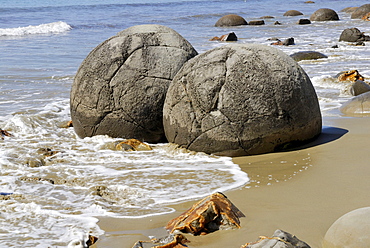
307, 55
324, 14
241, 99
231, 20
359, 12
353, 35
120, 87
358, 106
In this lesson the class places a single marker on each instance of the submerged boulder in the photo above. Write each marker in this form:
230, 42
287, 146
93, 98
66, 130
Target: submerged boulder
293, 13
307, 55
241, 99
231, 20
359, 12
120, 87
350, 231
353, 35
324, 14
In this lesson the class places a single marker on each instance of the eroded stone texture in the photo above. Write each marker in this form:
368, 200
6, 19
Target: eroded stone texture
214, 212
241, 99
120, 87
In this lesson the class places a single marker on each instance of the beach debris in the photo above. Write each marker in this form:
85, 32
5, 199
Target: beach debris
212, 213
133, 145
226, 37
287, 42
352, 76
279, 239
5, 133
170, 241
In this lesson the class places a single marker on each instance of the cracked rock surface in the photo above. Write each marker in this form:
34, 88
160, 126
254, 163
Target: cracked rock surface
241, 99
120, 87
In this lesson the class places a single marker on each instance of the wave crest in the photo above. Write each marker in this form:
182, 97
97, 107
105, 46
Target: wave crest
47, 28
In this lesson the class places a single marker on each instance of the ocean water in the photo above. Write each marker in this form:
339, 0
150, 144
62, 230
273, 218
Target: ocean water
42, 44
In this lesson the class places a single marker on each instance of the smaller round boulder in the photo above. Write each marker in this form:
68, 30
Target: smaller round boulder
361, 11
352, 35
359, 106
231, 20
307, 55
293, 13
324, 14
350, 231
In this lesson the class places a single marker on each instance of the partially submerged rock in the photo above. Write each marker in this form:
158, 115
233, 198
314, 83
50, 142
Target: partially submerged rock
352, 75
170, 241
133, 145
286, 42
5, 133
324, 14
231, 20
226, 37
257, 22
215, 212
293, 13
359, 12
280, 239
307, 55
304, 21
353, 35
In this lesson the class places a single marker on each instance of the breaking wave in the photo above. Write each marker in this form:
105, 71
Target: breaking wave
47, 28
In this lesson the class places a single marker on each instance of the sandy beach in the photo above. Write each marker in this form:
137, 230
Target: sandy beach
301, 191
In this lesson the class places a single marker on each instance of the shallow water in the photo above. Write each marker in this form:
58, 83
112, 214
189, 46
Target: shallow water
42, 44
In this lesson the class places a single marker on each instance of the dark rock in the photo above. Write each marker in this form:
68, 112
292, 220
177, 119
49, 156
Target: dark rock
267, 17
287, 42
335, 46
304, 21
214, 212
280, 239
361, 11
120, 87
231, 20
359, 106
293, 13
241, 99
352, 35
226, 37
307, 55
257, 22
277, 23
309, 2
4, 133
324, 14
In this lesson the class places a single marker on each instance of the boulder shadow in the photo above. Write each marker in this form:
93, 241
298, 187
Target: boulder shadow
328, 134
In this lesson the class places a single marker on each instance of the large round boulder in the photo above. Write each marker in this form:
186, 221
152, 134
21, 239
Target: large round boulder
350, 231
352, 35
231, 20
360, 11
120, 87
241, 99
324, 14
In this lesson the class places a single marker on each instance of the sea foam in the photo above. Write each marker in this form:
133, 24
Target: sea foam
47, 28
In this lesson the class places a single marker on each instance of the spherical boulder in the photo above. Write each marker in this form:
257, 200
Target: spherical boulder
241, 99
120, 87
293, 13
324, 14
359, 12
350, 231
352, 35
231, 20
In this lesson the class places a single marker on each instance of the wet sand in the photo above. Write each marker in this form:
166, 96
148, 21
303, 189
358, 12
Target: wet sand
301, 191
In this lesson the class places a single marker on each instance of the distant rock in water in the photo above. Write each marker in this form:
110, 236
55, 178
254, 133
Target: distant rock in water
120, 87
293, 13
307, 55
324, 14
241, 99
231, 20
359, 12
353, 35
